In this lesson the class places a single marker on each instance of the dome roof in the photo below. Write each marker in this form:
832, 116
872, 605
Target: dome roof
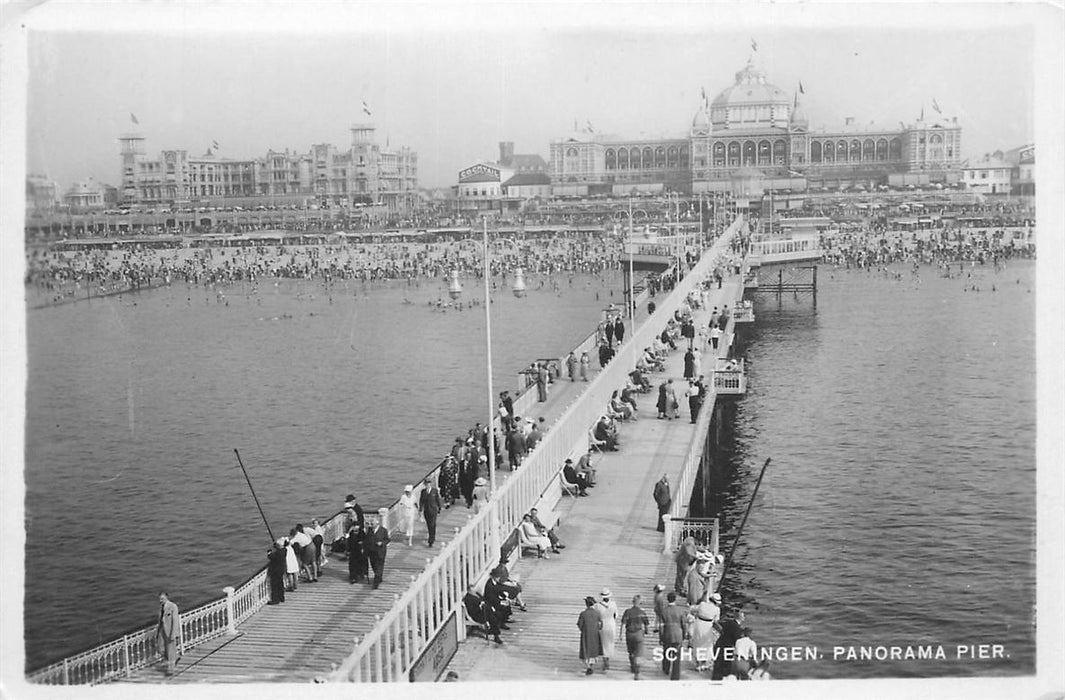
701, 121
750, 88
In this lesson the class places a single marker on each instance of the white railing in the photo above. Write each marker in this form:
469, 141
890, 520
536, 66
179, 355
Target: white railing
730, 379
387, 652
705, 532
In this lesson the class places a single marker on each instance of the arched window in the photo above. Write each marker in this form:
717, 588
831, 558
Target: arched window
830, 152
935, 138
634, 158
660, 157
684, 156
748, 152
856, 151
779, 151
815, 152
611, 159
648, 157
734, 153
623, 159
841, 151
719, 154
671, 157
571, 152
868, 150
895, 149
765, 153
881, 149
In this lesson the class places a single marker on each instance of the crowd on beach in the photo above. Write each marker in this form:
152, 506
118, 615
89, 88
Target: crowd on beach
865, 247
72, 274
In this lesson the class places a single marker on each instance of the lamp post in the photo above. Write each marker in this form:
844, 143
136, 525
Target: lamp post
632, 284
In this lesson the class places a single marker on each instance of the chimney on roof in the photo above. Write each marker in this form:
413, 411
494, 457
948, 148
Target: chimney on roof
506, 152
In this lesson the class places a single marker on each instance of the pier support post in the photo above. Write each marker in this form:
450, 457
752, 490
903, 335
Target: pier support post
231, 620
668, 534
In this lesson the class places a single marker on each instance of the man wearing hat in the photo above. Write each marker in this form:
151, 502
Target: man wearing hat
353, 512
429, 504
672, 634
589, 622
168, 631
376, 545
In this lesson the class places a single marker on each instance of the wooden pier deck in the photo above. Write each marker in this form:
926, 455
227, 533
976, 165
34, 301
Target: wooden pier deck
611, 541
314, 630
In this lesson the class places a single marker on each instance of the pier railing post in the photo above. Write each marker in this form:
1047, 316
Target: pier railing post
667, 542
231, 619
125, 655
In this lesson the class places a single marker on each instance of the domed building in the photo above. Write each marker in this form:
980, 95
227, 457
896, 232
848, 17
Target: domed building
754, 124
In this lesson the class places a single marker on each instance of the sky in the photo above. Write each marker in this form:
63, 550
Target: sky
452, 89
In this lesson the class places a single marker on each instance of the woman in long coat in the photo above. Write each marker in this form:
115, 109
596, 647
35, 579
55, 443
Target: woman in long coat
586, 363
589, 623
275, 571
357, 564
608, 612
449, 481
571, 366
689, 364
704, 636
663, 401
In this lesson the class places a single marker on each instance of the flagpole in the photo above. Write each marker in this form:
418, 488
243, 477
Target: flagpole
632, 287
490, 447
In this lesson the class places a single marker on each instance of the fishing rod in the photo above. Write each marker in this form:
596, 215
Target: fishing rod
736, 540
241, 463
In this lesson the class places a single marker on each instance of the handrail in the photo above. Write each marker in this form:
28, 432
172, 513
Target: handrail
398, 638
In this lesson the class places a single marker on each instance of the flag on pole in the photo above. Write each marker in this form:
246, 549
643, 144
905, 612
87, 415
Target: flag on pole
366, 109
704, 93
935, 106
801, 91
754, 45
133, 118
215, 143
590, 129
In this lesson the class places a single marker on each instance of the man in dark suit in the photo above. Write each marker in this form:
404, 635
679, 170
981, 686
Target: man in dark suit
731, 629
619, 330
376, 545
429, 504
478, 611
672, 634
571, 475
496, 602
663, 499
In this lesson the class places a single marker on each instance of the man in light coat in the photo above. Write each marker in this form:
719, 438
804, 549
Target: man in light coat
168, 631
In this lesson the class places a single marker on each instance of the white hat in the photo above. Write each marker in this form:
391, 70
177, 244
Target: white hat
605, 593
715, 597
408, 487
480, 481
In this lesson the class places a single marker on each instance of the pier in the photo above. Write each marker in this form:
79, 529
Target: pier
412, 627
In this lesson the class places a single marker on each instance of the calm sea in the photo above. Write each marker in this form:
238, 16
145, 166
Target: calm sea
135, 405
899, 506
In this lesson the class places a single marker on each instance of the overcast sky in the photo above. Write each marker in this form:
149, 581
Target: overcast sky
453, 85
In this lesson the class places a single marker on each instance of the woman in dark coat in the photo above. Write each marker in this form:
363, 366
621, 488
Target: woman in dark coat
275, 572
357, 565
449, 481
589, 623
689, 364
619, 330
663, 400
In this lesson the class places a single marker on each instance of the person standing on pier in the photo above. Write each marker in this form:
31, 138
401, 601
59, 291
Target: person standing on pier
541, 382
449, 481
586, 364
292, 566
168, 631
689, 364
608, 611
572, 365
715, 336
671, 635
408, 510
275, 571
589, 623
634, 621
619, 330
356, 540
663, 402
663, 499
429, 504
609, 331
684, 558
695, 399
376, 545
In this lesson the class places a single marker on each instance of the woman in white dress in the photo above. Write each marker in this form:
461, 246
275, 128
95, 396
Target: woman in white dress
292, 565
408, 511
608, 611
530, 532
